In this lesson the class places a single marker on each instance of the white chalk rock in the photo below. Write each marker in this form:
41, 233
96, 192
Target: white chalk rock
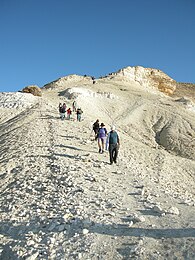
173, 210
85, 231
33, 257
158, 209
140, 219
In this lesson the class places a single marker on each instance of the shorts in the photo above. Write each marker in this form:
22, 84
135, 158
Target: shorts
103, 139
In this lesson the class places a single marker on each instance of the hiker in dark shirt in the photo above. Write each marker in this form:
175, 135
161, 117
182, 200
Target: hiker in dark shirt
74, 106
79, 112
63, 111
96, 127
60, 110
113, 143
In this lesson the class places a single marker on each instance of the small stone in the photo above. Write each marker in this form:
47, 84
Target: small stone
53, 225
101, 188
140, 219
173, 210
158, 209
30, 243
143, 191
33, 257
87, 223
85, 231
61, 227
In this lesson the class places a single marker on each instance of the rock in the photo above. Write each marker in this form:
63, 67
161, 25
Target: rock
142, 191
85, 231
130, 224
140, 219
148, 78
61, 227
33, 257
158, 209
30, 243
173, 210
52, 226
87, 223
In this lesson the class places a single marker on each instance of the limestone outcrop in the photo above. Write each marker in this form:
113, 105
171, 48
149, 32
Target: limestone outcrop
147, 77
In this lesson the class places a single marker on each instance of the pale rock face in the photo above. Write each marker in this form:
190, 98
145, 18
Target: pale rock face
68, 79
17, 100
147, 77
72, 93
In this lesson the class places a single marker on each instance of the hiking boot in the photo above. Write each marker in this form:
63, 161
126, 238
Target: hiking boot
114, 161
100, 150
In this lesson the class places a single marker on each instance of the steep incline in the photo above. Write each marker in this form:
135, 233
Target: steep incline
60, 199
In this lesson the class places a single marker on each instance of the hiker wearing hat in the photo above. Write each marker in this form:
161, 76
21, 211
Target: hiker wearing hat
102, 137
113, 143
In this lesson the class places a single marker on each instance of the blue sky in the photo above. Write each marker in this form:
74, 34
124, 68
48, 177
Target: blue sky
42, 40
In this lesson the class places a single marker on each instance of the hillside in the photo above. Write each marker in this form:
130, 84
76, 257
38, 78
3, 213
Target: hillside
61, 199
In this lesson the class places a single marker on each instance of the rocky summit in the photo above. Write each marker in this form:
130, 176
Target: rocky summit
61, 198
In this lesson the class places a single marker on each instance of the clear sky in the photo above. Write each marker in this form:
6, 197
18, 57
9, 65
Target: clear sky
43, 40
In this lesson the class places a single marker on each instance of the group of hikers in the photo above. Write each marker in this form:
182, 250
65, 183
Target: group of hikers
64, 111
109, 141
106, 140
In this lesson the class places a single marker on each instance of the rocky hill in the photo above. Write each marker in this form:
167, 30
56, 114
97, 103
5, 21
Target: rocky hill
146, 77
61, 199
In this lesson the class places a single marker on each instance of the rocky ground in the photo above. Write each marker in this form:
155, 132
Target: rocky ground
60, 198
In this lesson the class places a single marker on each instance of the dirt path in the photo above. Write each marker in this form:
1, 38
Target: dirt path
60, 199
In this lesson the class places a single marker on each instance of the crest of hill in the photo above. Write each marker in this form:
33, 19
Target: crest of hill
146, 77
61, 82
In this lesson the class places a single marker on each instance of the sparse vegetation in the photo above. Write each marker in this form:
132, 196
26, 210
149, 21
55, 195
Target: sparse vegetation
33, 89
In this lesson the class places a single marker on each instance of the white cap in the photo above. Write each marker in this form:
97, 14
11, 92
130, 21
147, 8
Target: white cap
113, 127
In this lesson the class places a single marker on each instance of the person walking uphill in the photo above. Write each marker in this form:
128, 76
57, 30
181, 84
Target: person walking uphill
79, 113
96, 127
60, 110
101, 137
114, 143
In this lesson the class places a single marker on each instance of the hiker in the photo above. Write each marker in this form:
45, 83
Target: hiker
101, 138
96, 127
113, 143
74, 106
63, 113
69, 112
79, 112
60, 110
93, 79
